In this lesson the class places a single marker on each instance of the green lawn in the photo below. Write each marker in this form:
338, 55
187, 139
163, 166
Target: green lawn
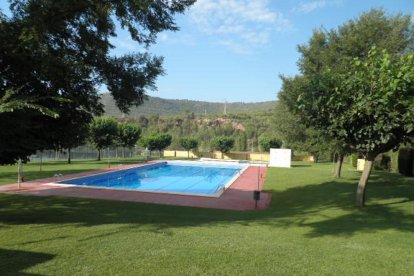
8, 174
311, 228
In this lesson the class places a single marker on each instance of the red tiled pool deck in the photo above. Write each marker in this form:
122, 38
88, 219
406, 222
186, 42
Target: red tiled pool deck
239, 196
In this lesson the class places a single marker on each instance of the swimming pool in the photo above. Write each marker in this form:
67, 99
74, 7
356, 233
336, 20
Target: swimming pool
176, 177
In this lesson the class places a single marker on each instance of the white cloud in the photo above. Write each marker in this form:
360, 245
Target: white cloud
239, 23
311, 6
307, 7
177, 38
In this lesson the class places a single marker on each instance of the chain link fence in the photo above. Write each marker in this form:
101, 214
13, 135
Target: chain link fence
86, 152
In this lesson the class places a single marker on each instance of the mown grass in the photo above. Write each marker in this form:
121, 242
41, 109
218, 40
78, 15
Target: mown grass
311, 228
34, 170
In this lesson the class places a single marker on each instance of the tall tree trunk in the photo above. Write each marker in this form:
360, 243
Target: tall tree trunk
123, 152
19, 173
99, 154
69, 157
362, 185
338, 168
315, 158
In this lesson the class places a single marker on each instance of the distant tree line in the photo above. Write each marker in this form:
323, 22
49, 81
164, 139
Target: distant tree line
245, 128
171, 107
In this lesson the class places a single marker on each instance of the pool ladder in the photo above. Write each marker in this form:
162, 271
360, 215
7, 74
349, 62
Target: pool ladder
58, 177
219, 187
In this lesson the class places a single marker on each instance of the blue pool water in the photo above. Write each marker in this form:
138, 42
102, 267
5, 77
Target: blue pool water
171, 177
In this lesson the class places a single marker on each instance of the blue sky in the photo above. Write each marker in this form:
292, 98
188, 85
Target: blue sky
234, 50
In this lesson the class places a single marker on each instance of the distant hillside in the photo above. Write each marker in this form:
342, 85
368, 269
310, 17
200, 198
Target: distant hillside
162, 107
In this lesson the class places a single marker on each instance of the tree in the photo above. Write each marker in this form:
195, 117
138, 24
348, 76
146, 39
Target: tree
336, 48
69, 130
156, 142
57, 49
9, 103
240, 143
128, 135
148, 142
223, 144
339, 150
103, 132
371, 108
188, 143
73, 136
164, 142
316, 143
268, 142
333, 51
18, 115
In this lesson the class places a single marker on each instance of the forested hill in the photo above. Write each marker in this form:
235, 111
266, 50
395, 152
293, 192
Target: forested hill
162, 107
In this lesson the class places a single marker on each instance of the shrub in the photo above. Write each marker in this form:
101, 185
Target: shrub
394, 160
128, 135
102, 133
222, 143
382, 162
188, 144
354, 160
156, 142
266, 143
405, 161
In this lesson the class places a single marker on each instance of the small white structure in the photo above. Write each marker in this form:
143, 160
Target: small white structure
360, 164
280, 158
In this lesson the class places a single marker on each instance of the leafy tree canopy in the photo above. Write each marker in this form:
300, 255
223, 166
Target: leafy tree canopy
58, 38
60, 49
189, 143
372, 106
156, 141
267, 142
288, 126
336, 48
222, 143
164, 141
103, 132
128, 134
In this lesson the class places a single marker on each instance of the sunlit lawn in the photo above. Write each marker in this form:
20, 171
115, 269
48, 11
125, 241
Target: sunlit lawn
33, 170
311, 228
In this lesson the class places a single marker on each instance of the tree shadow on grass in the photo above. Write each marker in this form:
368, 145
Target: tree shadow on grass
13, 262
387, 195
326, 208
